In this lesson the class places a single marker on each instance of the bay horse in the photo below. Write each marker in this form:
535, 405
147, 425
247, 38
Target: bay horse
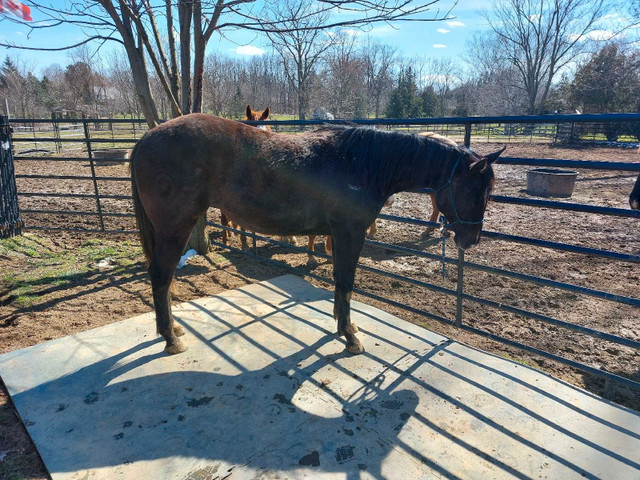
330, 181
634, 196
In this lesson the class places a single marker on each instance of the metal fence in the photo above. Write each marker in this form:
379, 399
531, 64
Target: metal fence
10, 221
112, 212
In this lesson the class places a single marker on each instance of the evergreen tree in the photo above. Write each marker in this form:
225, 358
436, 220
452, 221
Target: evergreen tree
608, 82
8, 72
429, 101
404, 101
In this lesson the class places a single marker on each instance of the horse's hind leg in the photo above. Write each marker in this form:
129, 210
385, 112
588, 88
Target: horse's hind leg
372, 230
224, 221
243, 238
311, 246
434, 213
347, 245
328, 245
165, 259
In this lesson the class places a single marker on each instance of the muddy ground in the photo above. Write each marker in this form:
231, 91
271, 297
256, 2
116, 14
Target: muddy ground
101, 295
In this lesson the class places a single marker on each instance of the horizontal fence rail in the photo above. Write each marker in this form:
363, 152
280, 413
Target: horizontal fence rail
38, 136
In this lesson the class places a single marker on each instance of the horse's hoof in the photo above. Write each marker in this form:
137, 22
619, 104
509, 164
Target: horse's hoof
178, 330
354, 346
177, 347
311, 261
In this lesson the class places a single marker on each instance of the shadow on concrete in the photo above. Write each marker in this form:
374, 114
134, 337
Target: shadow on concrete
109, 415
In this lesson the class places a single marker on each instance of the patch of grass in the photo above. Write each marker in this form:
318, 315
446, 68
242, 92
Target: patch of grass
520, 361
49, 267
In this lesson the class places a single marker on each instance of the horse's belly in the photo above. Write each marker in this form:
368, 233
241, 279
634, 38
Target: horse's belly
272, 220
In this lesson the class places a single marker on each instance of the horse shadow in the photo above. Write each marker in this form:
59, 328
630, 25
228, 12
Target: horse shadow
281, 417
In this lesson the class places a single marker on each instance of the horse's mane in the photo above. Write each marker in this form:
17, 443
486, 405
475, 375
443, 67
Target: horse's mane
377, 158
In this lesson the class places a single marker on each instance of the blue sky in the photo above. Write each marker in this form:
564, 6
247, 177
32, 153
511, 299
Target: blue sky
412, 39
430, 39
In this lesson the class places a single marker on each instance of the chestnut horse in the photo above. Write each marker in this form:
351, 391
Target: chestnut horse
634, 197
331, 181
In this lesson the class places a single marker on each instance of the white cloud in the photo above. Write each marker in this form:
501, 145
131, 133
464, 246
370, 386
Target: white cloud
597, 35
352, 32
249, 50
601, 35
455, 23
20, 34
611, 16
443, 30
383, 31
439, 45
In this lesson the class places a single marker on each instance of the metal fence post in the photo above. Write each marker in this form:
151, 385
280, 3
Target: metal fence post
10, 221
459, 287
467, 134
93, 173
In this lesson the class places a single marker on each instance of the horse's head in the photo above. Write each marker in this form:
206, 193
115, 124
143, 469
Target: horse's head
463, 198
258, 116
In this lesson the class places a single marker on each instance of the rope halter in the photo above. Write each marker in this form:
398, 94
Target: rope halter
456, 218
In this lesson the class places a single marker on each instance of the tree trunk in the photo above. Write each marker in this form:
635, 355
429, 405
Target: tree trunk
185, 15
198, 240
143, 89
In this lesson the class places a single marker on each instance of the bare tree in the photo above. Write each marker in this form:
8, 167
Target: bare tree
301, 43
141, 27
345, 77
120, 80
172, 35
540, 38
19, 86
379, 61
440, 74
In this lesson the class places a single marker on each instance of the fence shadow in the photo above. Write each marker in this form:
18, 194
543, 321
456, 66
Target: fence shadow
278, 413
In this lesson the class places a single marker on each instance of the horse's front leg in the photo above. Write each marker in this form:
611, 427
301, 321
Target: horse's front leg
347, 244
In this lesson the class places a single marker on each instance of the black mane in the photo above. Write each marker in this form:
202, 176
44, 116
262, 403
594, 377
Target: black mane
388, 160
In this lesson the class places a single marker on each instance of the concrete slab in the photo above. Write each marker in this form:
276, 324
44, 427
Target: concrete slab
266, 391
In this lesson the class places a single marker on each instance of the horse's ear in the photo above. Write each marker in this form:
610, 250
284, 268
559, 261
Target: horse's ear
478, 167
265, 114
492, 157
249, 112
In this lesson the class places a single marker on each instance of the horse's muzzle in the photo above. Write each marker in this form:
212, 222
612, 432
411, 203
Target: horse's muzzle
466, 240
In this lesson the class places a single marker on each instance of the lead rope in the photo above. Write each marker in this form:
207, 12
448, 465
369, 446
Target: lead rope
444, 238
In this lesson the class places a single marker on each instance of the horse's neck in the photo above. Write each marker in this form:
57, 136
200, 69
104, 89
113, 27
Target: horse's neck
431, 170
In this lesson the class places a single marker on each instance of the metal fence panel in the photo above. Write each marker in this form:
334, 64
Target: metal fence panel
10, 220
552, 129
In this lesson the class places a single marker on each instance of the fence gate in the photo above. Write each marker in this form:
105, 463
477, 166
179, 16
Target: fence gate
10, 222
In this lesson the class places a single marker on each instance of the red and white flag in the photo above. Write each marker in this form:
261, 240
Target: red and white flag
16, 8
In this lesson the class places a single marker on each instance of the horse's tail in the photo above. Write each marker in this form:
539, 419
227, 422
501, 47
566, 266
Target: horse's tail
145, 228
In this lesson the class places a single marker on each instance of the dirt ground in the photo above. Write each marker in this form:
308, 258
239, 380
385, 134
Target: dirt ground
95, 296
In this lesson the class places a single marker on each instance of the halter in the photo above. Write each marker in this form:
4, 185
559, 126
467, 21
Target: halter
446, 224
457, 218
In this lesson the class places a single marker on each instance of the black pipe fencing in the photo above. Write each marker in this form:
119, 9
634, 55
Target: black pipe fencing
104, 210
10, 220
